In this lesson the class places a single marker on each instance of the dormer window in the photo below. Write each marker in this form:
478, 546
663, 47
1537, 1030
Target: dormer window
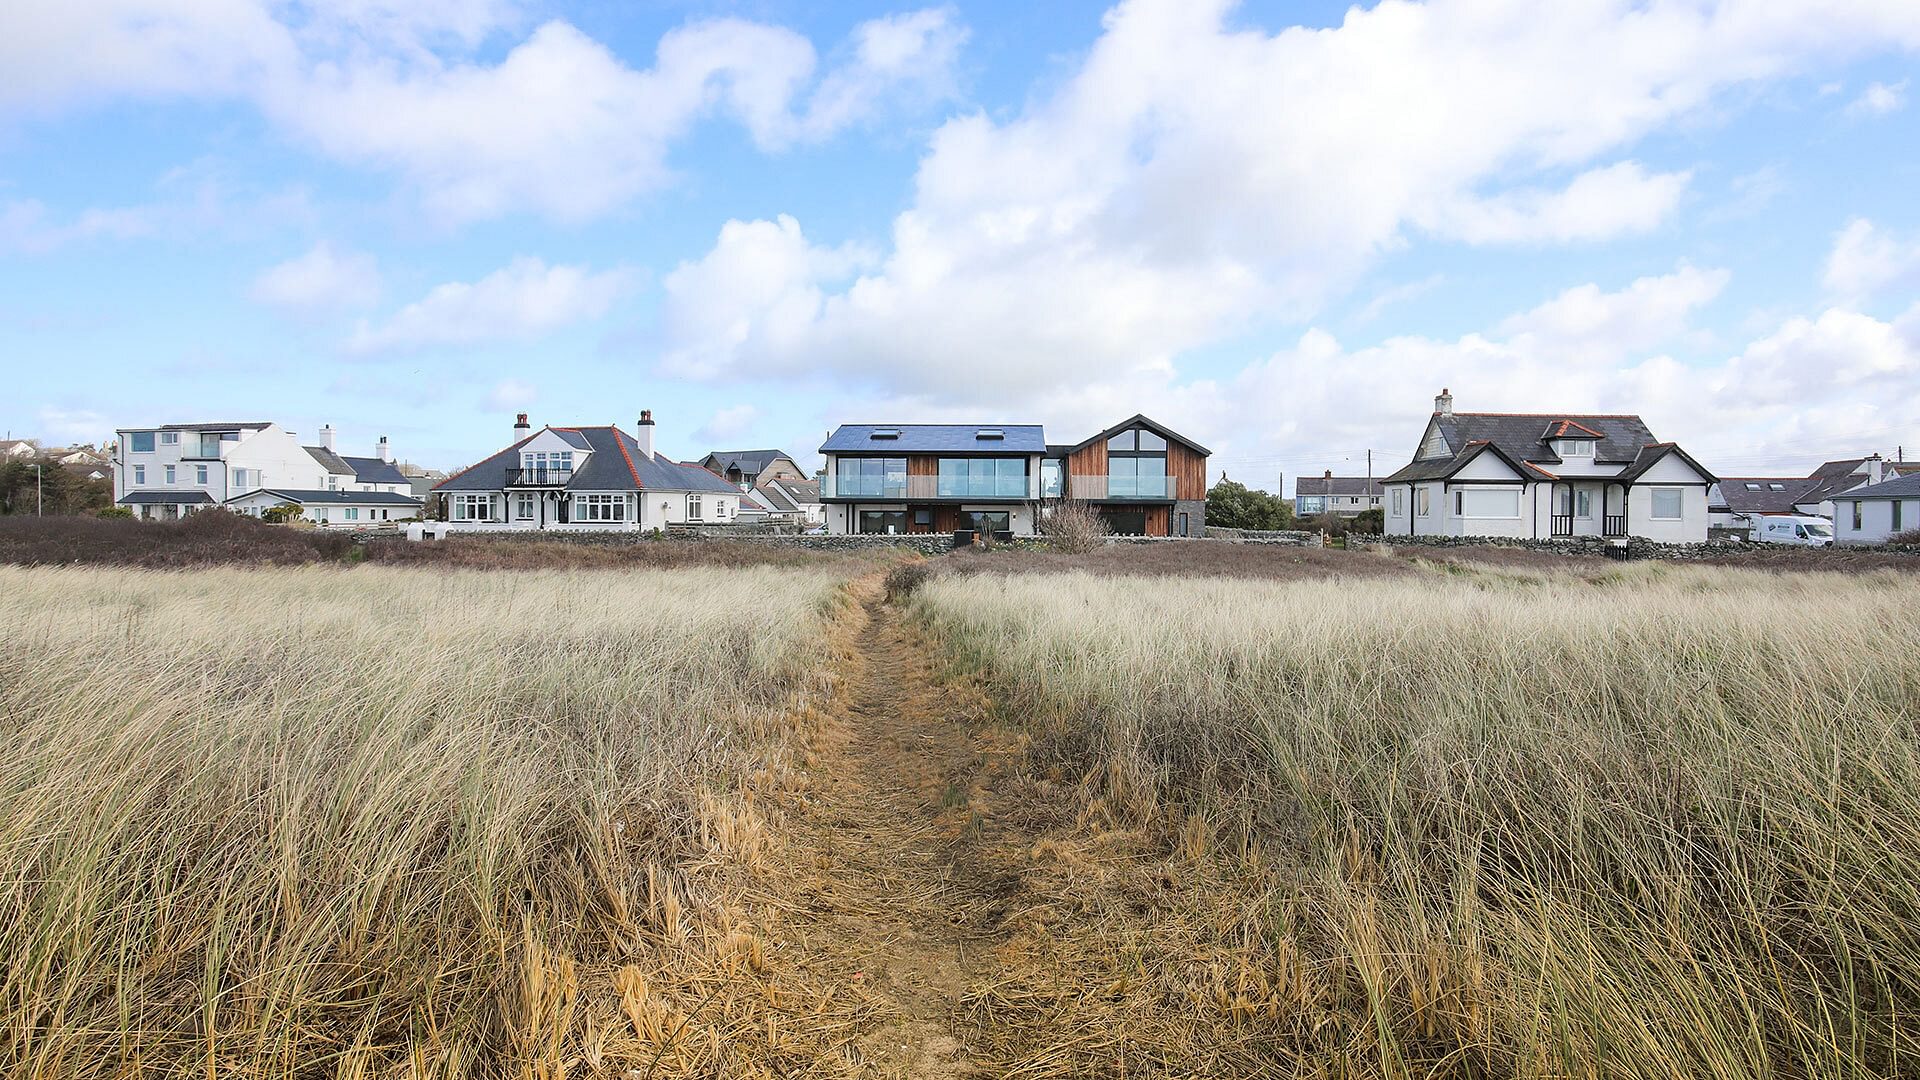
1573, 448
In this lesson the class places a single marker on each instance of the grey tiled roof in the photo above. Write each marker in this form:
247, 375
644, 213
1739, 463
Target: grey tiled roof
1338, 485
1905, 487
1739, 499
1833, 477
329, 460
1524, 437
312, 497
614, 464
166, 498
747, 461
936, 438
371, 470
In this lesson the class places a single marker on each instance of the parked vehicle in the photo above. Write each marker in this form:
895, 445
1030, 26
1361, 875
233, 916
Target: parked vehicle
1793, 529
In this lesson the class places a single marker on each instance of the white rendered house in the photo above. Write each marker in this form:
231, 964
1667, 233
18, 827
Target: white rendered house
1546, 475
173, 470
1878, 512
582, 479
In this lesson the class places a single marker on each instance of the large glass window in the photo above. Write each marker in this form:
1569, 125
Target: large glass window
883, 521
1488, 503
473, 507
989, 521
1004, 478
1137, 465
871, 478
141, 442
523, 506
1666, 504
1051, 485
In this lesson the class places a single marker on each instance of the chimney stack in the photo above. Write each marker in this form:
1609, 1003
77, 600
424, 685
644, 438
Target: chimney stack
521, 429
1329, 474
383, 451
326, 437
643, 433
1443, 405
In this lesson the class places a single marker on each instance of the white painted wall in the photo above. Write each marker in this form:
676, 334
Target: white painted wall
1690, 528
271, 456
1876, 520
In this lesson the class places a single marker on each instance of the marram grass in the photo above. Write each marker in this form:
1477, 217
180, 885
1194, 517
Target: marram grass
346, 822
1654, 822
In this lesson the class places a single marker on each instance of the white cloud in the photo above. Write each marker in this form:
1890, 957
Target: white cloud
1879, 99
28, 228
1192, 176
1865, 261
559, 125
1810, 388
321, 280
728, 423
1597, 205
520, 302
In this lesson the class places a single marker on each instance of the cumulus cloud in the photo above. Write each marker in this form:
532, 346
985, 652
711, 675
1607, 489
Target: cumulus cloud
522, 301
1879, 99
560, 125
1193, 175
321, 280
1865, 261
510, 394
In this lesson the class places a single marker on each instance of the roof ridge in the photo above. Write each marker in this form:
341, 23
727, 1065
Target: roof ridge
622, 445
1550, 416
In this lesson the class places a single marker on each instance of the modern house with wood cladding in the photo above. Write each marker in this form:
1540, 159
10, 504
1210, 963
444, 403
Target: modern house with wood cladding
1142, 477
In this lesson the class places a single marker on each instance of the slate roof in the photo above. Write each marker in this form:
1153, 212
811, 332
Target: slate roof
936, 438
314, 497
614, 463
788, 496
167, 498
749, 462
371, 470
1739, 499
1338, 485
1524, 438
225, 425
1141, 420
1831, 478
1652, 454
329, 460
1905, 487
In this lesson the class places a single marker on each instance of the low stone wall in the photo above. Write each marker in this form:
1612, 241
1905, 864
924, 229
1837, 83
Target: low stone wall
936, 544
1636, 547
1296, 537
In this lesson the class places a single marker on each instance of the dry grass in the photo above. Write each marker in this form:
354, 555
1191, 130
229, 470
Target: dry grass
374, 821
1651, 821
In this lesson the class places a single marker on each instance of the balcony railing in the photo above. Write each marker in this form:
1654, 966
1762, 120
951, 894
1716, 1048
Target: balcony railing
1109, 488
925, 488
1615, 525
548, 477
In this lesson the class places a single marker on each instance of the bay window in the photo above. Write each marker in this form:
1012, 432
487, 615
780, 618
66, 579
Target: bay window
599, 508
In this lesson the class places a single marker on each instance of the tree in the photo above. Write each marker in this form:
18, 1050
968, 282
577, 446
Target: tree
60, 491
1372, 521
1232, 505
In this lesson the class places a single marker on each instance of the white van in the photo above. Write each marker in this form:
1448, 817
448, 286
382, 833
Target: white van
1793, 529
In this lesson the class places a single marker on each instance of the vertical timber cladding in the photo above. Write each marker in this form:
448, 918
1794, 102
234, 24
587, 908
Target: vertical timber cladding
1188, 467
1086, 461
1159, 520
923, 465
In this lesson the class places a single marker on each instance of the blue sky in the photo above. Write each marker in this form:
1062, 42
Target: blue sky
1281, 228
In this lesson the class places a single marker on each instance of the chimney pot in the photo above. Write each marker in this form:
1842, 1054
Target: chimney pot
643, 433
520, 426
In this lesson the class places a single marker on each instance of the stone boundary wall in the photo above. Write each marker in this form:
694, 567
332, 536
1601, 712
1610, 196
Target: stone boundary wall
1636, 547
1300, 537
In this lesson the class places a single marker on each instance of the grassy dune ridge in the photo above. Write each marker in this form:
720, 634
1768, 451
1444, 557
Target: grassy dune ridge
1647, 821
322, 818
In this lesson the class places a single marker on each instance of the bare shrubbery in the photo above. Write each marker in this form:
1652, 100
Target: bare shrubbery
208, 538
1911, 537
1075, 528
1636, 822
